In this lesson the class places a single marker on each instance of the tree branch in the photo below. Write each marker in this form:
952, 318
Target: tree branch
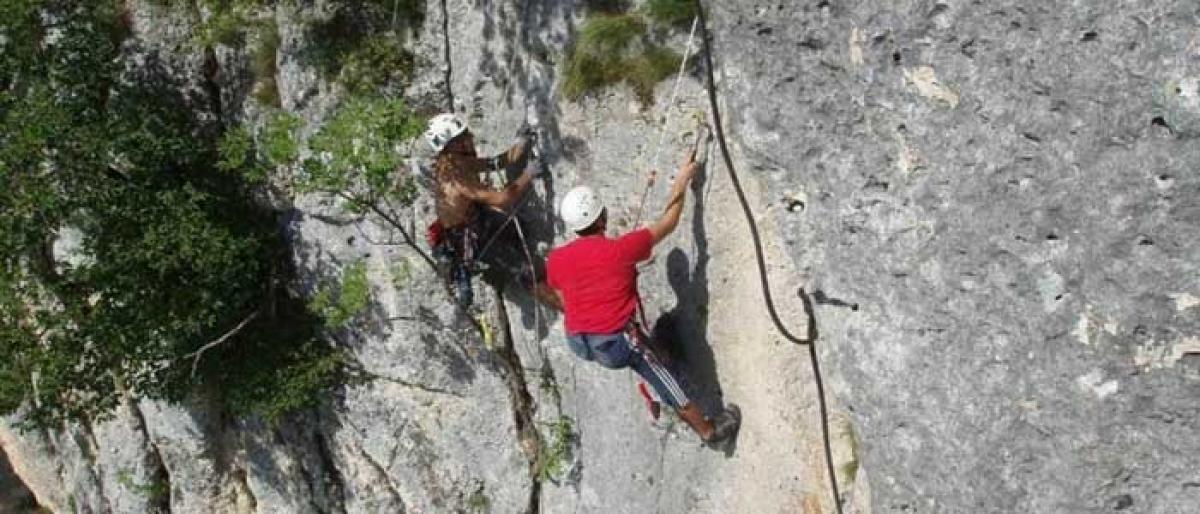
411, 243
395, 223
216, 342
369, 239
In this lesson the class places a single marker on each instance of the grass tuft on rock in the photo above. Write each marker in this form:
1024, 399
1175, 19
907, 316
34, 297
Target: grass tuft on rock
557, 445
671, 12
607, 6
379, 60
262, 62
614, 49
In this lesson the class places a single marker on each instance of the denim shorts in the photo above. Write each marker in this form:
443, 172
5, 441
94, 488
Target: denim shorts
615, 351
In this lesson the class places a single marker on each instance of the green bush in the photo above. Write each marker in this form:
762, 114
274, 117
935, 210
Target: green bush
279, 138
614, 49
607, 35
229, 21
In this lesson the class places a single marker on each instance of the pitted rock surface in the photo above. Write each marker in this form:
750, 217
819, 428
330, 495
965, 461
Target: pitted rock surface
1000, 213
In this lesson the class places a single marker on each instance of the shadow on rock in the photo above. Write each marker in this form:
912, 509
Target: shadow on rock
680, 334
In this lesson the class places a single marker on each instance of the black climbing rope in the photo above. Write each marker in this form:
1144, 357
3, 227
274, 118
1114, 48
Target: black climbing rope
711, 86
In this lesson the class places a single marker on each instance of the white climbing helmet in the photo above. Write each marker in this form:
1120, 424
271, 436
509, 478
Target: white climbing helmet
443, 128
580, 208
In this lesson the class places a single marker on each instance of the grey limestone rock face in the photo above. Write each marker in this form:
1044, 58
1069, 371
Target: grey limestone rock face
999, 224
993, 206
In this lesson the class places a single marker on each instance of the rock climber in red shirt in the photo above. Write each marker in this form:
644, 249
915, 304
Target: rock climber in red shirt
596, 279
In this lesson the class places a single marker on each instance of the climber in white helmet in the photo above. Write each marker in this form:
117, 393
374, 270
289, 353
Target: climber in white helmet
471, 215
595, 277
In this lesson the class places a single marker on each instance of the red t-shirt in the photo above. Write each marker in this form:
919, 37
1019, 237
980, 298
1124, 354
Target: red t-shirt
597, 277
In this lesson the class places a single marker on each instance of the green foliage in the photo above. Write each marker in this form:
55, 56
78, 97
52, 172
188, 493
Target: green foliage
358, 152
671, 12
153, 491
849, 469
379, 60
607, 6
276, 383
478, 502
229, 21
608, 35
362, 45
172, 253
352, 297
647, 70
224, 27
557, 444
236, 149
614, 49
280, 138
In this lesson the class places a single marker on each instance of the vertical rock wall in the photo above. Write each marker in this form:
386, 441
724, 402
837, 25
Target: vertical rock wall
995, 206
992, 205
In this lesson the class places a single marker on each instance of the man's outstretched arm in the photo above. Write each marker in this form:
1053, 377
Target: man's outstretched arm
670, 216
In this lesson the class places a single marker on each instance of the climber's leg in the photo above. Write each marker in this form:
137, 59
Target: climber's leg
719, 428
578, 345
658, 376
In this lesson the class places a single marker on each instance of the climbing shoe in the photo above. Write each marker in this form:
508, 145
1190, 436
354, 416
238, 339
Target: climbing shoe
725, 426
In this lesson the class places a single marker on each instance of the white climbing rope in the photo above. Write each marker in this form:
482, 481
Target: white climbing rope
687, 52
662, 134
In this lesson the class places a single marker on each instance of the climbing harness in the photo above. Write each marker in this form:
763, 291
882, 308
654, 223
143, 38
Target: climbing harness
760, 259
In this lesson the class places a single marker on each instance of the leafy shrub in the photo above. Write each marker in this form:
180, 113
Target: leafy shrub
279, 138
236, 151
